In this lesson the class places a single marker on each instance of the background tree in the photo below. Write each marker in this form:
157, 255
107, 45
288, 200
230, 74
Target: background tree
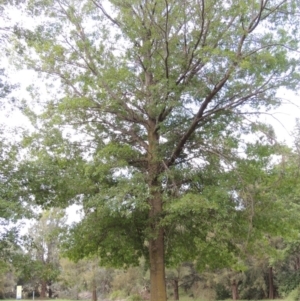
288, 274
7, 84
43, 248
13, 205
160, 92
83, 276
130, 281
92, 276
183, 277
71, 282
7, 281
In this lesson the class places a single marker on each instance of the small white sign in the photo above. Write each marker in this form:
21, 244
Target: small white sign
19, 292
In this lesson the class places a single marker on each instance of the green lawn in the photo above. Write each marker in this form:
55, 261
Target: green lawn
47, 299
180, 299
170, 299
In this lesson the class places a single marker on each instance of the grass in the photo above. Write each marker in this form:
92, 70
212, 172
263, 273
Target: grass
184, 298
38, 299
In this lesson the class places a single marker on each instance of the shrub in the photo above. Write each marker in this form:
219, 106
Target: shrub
117, 295
288, 282
294, 295
135, 297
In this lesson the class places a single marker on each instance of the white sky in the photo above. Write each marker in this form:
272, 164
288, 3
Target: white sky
283, 119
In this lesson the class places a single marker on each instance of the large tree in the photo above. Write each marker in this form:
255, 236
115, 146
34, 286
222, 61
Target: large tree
162, 95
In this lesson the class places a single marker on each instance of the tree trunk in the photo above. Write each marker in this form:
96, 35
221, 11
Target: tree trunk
156, 241
94, 295
43, 289
234, 289
175, 287
77, 293
50, 293
271, 284
297, 263
157, 268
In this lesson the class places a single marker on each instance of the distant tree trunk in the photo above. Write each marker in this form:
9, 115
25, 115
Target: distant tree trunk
77, 293
234, 289
50, 292
43, 289
297, 263
94, 294
271, 284
175, 287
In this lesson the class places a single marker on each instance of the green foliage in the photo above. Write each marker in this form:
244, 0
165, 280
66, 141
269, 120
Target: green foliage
289, 282
82, 276
7, 280
161, 97
221, 292
13, 202
41, 262
115, 295
135, 298
5, 90
289, 271
294, 295
130, 281
12, 206
116, 224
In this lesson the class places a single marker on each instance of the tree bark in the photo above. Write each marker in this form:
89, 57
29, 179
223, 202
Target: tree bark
157, 268
271, 284
175, 287
94, 292
50, 293
234, 289
156, 241
297, 263
77, 293
43, 289
94, 295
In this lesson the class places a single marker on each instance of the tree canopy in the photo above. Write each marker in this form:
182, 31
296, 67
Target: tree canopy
163, 97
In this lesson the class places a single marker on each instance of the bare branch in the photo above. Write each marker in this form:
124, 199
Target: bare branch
109, 17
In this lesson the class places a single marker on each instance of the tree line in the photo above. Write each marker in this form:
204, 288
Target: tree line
44, 271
